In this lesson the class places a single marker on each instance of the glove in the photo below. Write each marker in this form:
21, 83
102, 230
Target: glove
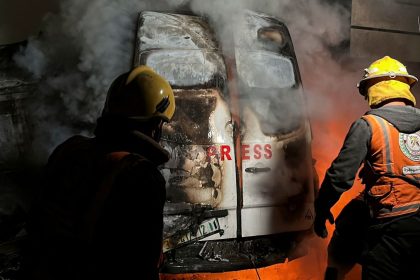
319, 223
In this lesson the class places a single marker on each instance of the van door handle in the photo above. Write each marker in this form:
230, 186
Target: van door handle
255, 170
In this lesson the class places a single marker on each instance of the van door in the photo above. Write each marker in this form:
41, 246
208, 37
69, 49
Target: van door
275, 132
201, 175
210, 194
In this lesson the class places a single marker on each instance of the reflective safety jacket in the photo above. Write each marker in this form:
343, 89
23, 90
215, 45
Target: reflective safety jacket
392, 169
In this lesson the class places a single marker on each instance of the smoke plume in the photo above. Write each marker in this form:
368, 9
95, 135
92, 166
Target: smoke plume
88, 43
79, 51
83, 47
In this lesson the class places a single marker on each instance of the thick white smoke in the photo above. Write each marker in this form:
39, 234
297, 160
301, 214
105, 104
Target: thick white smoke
88, 43
78, 53
318, 29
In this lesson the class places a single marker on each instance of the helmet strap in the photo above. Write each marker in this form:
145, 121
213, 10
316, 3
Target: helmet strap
157, 132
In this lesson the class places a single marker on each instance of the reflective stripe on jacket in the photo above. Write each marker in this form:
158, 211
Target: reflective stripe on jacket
393, 179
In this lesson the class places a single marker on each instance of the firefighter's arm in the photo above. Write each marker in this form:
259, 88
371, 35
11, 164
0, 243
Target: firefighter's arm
325, 200
340, 176
139, 208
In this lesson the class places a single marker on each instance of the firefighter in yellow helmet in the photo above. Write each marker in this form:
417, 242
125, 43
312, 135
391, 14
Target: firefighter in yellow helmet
386, 79
100, 215
380, 228
140, 95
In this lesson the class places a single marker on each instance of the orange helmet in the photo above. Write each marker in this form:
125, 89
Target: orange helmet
140, 94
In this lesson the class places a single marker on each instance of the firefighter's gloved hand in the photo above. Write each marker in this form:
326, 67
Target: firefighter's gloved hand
319, 223
321, 216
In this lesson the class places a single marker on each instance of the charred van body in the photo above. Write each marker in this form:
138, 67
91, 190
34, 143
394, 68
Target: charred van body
240, 184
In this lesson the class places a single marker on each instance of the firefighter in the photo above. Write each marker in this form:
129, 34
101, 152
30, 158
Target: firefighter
386, 143
100, 213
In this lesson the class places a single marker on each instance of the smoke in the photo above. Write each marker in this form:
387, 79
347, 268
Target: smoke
320, 33
79, 52
319, 30
88, 43
316, 21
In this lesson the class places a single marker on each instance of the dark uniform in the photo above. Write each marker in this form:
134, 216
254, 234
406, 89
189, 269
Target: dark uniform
100, 212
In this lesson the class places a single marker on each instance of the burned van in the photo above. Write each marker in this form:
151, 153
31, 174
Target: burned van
240, 185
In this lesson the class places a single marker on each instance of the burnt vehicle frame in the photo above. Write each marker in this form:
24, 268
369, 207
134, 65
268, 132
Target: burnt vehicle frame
209, 217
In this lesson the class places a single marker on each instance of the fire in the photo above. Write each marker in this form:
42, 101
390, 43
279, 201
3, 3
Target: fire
336, 133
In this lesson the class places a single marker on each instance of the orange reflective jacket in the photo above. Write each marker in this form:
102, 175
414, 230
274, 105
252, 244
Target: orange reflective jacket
393, 180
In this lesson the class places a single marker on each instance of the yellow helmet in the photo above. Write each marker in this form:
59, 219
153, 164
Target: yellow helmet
382, 69
140, 94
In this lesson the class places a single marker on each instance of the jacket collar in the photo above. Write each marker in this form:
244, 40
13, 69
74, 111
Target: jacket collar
115, 135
